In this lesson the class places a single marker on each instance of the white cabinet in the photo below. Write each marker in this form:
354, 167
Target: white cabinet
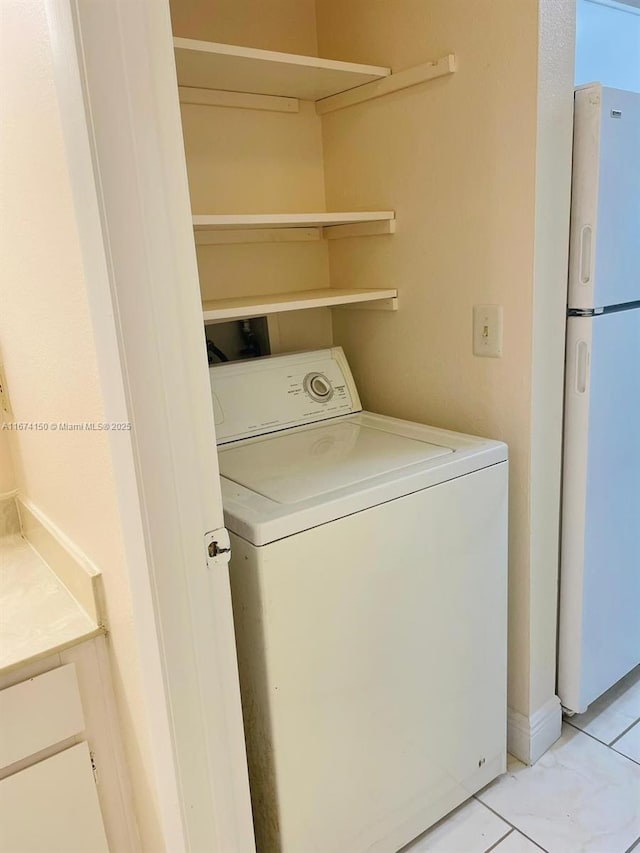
58, 724
39, 713
49, 805
52, 807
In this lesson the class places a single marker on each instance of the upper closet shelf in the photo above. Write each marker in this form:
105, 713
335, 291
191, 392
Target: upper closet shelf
228, 67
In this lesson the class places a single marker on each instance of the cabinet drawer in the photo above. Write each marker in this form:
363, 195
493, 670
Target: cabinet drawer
39, 713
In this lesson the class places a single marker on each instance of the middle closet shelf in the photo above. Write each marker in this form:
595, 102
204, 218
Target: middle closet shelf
211, 229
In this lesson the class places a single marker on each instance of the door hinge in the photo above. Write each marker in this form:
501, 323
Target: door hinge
94, 766
218, 547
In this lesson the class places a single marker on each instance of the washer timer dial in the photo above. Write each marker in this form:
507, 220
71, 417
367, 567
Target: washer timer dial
318, 387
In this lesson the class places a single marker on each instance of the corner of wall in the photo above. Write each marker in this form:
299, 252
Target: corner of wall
556, 40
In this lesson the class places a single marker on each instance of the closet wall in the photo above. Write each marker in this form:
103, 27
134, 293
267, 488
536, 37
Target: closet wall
458, 159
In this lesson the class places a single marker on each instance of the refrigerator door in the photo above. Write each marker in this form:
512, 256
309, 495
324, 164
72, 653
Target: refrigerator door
599, 639
604, 266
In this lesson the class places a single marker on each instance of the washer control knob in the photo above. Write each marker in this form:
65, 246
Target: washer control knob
318, 387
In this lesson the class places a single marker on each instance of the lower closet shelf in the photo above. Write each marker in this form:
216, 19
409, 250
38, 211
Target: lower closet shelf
242, 308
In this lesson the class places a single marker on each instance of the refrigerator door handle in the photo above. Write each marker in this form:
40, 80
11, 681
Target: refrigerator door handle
585, 254
582, 365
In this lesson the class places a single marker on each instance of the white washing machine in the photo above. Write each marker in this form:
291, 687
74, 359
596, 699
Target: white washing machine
369, 585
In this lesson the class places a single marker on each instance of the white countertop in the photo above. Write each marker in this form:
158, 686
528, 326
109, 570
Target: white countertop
38, 615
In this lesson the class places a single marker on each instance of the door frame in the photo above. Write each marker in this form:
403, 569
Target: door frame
119, 108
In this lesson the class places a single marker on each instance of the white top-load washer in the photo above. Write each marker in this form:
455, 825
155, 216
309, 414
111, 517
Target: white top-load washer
368, 577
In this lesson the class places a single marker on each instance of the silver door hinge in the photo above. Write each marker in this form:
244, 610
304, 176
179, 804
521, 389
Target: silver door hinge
94, 766
218, 547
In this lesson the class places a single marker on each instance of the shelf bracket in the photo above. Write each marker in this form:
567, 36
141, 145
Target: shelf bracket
385, 86
360, 229
390, 304
241, 100
256, 235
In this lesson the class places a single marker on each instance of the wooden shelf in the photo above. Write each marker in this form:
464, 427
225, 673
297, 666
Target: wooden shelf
211, 65
212, 229
219, 310
221, 221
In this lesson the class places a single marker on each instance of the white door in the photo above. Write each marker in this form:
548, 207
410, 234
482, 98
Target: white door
617, 237
599, 637
605, 204
116, 83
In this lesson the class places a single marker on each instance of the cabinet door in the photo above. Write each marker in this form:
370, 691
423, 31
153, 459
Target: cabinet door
52, 807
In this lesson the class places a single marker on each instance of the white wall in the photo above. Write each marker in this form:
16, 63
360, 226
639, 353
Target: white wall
608, 44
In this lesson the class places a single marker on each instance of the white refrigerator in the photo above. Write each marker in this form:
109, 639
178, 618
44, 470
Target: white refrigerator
599, 626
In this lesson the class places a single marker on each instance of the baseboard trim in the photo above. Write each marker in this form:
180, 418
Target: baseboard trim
528, 738
73, 568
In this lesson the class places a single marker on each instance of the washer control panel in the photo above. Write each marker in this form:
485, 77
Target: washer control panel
318, 387
269, 394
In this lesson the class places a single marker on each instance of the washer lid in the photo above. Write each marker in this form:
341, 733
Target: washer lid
298, 465
285, 483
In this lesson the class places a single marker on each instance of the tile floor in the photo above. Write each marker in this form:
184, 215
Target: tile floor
583, 796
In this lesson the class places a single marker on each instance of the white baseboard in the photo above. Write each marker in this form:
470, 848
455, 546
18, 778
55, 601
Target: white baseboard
528, 738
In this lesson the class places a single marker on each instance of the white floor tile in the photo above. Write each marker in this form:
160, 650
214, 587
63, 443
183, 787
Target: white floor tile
516, 843
629, 744
581, 797
613, 712
471, 828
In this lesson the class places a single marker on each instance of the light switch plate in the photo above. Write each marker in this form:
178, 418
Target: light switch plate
487, 330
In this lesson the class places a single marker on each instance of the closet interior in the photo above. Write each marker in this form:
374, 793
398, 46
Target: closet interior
255, 102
